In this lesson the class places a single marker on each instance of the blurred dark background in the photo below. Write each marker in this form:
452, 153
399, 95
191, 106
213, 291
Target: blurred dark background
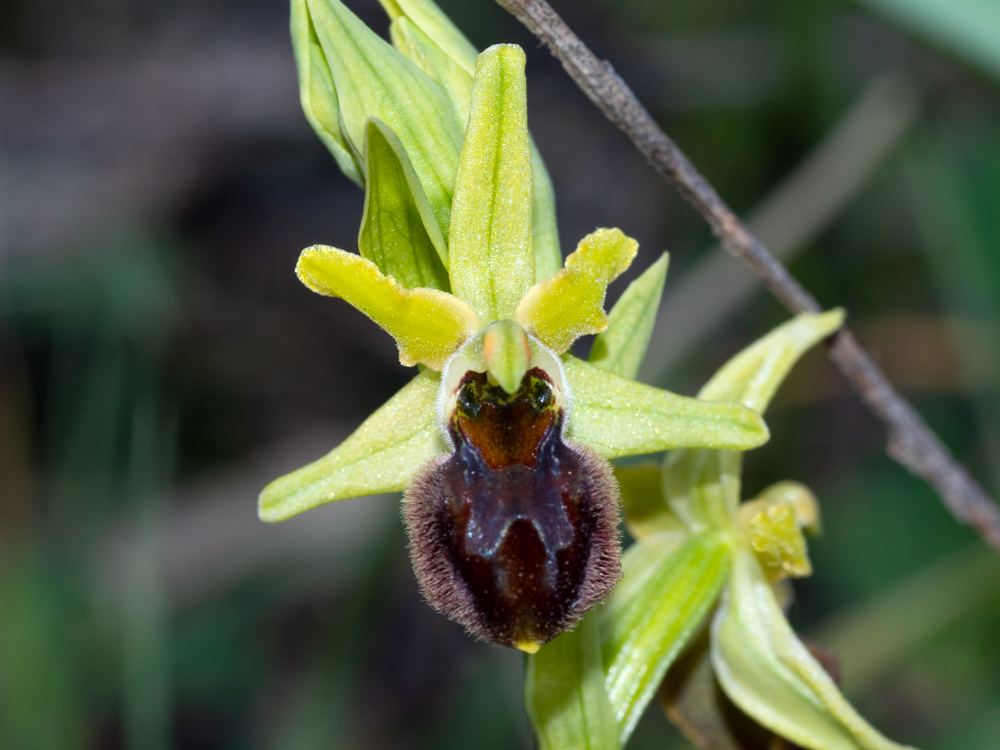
160, 363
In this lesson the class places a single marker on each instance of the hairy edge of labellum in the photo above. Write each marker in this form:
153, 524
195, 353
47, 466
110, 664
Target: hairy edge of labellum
514, 534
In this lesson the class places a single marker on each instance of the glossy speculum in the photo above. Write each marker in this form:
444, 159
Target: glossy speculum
514, 533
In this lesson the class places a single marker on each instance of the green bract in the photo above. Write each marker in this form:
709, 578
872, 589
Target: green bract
492, 277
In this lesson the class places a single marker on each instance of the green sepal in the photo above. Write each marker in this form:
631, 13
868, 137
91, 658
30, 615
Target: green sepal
399, 232
491, 261
621, 348
767, 671
564, 692
664, 596
380, 456
317, 92
428, 37
570, 303
374, 80
645, 507
620, 417
753, 375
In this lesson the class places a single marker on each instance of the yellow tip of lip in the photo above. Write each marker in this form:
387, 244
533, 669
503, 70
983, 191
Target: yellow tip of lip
528, 647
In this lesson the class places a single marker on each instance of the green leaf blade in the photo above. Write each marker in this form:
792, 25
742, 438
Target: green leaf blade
621, 348
399, 232
380, 456
665, 594
620, 417
491, 260
564, 692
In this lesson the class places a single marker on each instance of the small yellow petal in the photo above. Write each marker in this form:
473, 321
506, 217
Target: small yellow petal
428, 325
560, 309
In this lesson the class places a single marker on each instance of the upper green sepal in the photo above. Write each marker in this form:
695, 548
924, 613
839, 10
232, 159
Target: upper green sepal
380, 456
491, 260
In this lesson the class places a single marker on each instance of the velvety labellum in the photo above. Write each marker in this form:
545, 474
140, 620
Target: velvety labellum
514, 533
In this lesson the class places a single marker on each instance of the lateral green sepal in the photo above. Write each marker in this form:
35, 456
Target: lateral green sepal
491, 261
380, 456
620, 417
645, 507
771, 676
399, 232
665, 593
621, 347
564, 692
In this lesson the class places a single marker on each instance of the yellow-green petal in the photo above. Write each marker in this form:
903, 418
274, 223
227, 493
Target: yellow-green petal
491, 261
445, 71
621, 348
770, 675
564, 692
665, 594
428, 325
399, 232
560, 309
753, 375
380, 456
317, 92
620, 417
374, 80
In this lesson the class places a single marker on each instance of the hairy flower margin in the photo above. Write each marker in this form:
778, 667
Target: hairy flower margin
460, 263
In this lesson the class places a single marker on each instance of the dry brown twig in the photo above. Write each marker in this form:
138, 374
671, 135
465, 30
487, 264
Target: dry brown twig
910, 441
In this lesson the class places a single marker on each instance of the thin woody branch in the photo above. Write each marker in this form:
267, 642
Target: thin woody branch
910, 441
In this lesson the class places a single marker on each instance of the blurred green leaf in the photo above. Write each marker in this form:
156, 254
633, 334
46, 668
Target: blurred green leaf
969, 28
564, 692
769, 674
399, 233
665, 594
621, 348
380, 456
491, 262
620, 417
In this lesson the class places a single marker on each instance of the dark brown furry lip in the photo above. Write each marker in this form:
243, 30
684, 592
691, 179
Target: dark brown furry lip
514, 534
